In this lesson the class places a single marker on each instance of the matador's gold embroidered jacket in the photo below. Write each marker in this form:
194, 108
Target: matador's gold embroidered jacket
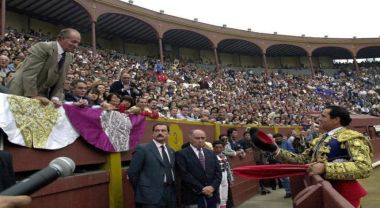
346, 154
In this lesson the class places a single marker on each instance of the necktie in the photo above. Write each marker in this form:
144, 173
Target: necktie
201, 158
168, 169
62, 60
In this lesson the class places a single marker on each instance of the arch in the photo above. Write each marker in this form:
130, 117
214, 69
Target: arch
67, 13
369, 52
239, 46
333, 51
285, 50
111, 25
187, 38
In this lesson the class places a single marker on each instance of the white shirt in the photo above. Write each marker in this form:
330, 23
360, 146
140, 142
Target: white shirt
331, 132
158, 145
196, 150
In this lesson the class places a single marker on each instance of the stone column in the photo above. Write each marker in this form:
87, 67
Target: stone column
161, 50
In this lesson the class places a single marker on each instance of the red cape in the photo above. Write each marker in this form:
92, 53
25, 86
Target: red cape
270, 171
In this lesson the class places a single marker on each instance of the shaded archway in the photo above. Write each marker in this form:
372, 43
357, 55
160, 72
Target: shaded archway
186, 38
239, 46
130, 29
241, 53
369, 52
65, 13
333, 52
285, 50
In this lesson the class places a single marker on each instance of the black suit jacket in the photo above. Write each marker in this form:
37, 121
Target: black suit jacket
7, 177
70, 97
146, 173
118, 88
194, 178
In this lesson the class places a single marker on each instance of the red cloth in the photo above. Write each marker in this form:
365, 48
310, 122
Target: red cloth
350, 190
270, 171
152, 115
161, 77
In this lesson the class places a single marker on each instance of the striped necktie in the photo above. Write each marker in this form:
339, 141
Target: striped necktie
201, 158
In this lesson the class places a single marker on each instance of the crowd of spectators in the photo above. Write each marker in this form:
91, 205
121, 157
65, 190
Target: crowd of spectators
179, 90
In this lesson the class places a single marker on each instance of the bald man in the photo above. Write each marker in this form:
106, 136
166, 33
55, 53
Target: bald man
200, 173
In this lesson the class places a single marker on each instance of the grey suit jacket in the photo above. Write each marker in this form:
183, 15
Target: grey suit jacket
146, 173
39, 75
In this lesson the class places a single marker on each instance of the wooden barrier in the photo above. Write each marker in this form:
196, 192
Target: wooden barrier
101, 178
316, 192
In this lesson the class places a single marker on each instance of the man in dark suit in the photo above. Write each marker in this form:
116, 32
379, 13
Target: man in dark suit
7, 177
125, 86
41, 75
78, 93
200, 173
151, 171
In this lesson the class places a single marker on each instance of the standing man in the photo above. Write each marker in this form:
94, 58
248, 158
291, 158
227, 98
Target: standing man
200, 173
340, 155
42, 74
284, 144
227, 176
151, 171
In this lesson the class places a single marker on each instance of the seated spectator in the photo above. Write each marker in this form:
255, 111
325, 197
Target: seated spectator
233, 148
126, 103
184, 113
246, 142
205, 116
112, 102
16, 61
93, 97
4, 62
173, 113
8, 77
77, 94
102, 92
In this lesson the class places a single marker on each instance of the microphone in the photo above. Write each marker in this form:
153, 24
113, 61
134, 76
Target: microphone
61, 166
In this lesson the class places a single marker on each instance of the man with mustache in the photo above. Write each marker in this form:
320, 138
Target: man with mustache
340, 155
151, 171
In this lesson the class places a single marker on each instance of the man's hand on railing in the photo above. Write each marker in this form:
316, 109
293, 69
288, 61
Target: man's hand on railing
81, 103
57, 103
316, 168
44, 101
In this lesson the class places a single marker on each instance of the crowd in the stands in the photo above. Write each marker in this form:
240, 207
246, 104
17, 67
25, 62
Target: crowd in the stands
179, 90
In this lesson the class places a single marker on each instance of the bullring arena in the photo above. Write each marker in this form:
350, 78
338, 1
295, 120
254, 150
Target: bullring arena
192, 75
